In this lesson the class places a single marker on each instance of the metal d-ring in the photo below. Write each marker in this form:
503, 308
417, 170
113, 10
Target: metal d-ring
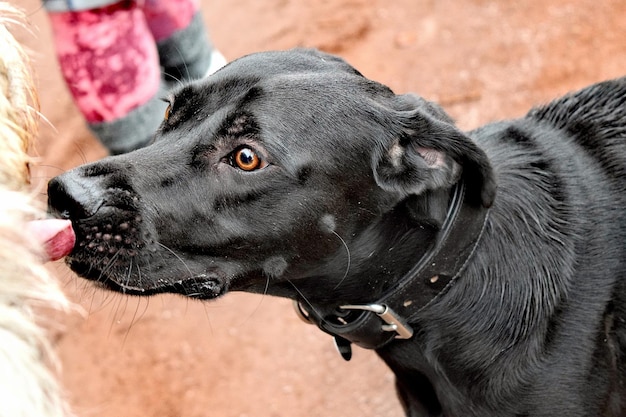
302, 314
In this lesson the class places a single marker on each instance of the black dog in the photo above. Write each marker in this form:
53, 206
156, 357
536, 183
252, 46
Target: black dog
289, 173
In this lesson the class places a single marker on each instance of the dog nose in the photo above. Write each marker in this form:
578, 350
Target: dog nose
71, 196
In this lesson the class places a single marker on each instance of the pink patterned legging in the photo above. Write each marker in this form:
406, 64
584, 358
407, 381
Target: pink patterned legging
108, 56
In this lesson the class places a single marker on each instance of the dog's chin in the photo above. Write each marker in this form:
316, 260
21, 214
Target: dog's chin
205, 286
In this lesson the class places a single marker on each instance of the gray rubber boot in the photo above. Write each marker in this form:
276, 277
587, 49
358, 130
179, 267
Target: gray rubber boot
187, 54
133, 131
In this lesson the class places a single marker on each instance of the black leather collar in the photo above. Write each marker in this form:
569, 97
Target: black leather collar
374, 325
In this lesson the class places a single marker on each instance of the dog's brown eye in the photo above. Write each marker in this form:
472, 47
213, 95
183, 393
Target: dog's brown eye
247, 159
168, 110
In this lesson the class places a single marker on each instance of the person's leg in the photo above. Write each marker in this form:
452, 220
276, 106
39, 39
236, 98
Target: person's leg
111, 66
185, 49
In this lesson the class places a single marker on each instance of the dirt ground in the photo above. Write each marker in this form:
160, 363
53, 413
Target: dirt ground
247, 355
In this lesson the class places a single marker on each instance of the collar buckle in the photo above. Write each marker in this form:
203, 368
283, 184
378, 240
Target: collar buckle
394, 323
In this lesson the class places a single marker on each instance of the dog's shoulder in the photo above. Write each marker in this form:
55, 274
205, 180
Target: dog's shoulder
595, 118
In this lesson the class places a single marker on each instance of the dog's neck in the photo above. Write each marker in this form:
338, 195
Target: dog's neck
388, 317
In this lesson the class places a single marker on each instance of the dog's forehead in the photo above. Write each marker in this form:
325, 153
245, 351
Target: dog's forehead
297, 86
276, 63
284, 78
294, 75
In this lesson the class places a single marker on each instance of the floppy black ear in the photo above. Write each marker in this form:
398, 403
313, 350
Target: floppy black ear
430, 153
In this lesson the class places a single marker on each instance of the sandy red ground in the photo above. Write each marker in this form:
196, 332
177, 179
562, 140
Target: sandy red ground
249, 355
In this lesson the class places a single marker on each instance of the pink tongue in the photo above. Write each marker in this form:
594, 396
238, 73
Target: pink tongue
57, 236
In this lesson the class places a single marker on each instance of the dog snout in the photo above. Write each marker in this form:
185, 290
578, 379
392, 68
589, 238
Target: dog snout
73, 197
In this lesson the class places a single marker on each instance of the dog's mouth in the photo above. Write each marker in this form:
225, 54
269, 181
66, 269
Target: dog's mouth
121, 255
203, 286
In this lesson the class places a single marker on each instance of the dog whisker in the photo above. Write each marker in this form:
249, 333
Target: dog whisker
107, 299
116, 313
206, 314
103, 303
367, 211
261, 298
300, 293
108, 266
139, 276
47, 166
125, 283
81, 152
305, 299
136, 317
177, 257
179, 81
345, 245
267, 285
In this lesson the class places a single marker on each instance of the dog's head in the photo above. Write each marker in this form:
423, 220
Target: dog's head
282, 166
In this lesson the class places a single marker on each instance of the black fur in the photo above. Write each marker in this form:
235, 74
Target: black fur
351, 191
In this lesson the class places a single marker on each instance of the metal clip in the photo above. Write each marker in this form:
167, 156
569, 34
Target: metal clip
394, 322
